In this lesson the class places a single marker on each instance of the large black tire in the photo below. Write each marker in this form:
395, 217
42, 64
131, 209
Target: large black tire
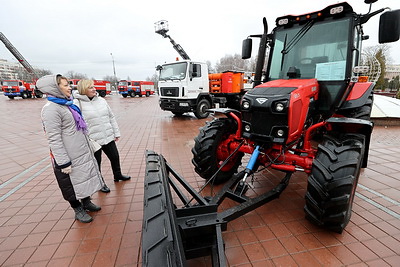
201, 108
102, 93
24, 95
124, 95
205, 150
161, 240
363, 112
11, 97
333, 180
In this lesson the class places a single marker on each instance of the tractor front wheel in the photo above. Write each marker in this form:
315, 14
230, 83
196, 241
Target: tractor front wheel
211, 148
333, 180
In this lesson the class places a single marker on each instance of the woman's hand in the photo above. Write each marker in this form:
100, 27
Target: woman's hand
116, 139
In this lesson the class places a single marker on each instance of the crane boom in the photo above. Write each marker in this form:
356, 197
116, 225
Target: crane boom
162, 29
18, 55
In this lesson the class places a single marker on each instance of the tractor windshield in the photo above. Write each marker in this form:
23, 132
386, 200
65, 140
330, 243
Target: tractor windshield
315, 50
175, 71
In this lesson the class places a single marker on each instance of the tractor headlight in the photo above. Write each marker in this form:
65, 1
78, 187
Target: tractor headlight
279, 107
280, 133
245, 105
247, 128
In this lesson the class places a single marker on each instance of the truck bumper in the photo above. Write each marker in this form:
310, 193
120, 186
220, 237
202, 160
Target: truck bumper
176, 105
12, 94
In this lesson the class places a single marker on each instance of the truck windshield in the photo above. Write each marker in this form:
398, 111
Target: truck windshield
176, 71
123, 83
8, 83
319, 51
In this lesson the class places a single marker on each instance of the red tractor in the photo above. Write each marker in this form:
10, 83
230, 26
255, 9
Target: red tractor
309, 112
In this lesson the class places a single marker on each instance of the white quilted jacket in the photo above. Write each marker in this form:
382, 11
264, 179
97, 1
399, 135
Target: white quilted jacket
102, 125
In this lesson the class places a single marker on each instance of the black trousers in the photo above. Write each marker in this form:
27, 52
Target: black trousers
111, 152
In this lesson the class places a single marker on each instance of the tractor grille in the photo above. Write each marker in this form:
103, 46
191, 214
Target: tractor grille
169, 91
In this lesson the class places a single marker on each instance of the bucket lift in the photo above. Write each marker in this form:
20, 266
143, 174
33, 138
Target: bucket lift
161, 27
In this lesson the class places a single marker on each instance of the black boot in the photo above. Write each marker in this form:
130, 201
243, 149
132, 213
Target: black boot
105, 189
81, 215
89, 205
121, 177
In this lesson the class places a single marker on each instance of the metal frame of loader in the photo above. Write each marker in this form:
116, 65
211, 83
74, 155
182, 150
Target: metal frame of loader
195, 230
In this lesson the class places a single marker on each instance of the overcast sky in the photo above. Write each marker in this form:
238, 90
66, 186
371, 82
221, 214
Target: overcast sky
79, 35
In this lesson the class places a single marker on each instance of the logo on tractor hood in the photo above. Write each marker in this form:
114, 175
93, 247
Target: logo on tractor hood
261, 100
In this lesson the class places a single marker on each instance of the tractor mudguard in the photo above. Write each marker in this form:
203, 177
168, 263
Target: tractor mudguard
351, 125
358, 95
224, 111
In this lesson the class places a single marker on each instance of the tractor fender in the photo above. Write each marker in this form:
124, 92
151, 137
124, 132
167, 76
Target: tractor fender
351, 125
358, 95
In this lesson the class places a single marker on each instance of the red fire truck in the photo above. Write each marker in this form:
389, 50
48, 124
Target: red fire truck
19, 88
102, 87
135, 88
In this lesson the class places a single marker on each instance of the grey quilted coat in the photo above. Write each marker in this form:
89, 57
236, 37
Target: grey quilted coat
68, 146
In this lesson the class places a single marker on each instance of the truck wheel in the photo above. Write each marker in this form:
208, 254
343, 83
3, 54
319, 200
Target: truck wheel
333, 180
178, 114
38, 94
125, 96
147, 94
24, 95
11, 97
211, 148
201, 112
131, 94
102, 93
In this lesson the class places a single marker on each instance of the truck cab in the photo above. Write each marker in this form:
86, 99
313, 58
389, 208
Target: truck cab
184, 87
17, 88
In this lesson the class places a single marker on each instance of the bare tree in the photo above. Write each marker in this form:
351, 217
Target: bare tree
232, 63
75, 75
380, 55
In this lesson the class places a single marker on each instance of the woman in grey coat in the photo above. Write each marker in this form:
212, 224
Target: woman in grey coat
73, 161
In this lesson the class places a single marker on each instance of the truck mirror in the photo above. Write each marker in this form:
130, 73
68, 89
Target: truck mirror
246, 48
389, 26
159, 67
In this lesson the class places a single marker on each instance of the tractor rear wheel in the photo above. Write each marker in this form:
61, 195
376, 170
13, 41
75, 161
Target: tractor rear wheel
333, 180
211, 148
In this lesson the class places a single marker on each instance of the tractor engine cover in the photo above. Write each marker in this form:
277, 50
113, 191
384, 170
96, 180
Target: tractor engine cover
276, 111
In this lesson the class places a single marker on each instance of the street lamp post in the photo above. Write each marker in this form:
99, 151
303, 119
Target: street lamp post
115, 75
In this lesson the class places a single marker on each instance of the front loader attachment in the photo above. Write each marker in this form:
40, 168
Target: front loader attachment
171, 234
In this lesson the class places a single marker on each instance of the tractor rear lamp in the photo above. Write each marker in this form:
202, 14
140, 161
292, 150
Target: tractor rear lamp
363, 79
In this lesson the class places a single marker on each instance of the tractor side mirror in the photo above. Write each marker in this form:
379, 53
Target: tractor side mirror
246, 48
389, 26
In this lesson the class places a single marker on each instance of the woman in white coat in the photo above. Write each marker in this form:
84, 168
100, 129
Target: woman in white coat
102, 125
74, 165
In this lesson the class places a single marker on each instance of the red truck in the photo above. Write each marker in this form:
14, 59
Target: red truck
135, 88
102, 87
20, 88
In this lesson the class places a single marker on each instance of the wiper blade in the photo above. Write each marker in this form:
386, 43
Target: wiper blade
299, 35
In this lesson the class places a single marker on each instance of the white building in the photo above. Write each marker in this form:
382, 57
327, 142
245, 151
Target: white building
392, 71
8, 70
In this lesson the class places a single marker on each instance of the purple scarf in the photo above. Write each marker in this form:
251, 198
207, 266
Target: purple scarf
76, 112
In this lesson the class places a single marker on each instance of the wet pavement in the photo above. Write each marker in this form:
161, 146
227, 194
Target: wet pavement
37, 227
